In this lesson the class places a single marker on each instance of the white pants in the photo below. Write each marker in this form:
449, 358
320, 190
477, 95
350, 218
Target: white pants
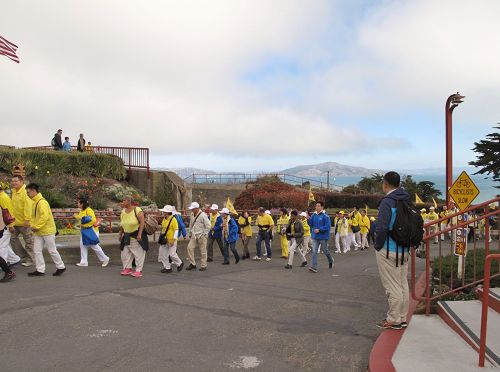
307, 244
443, 226
291, 251
131, 252
166, 251
364, 241
351, 241
84, 252
6, 251
357, 240
49, 242
346, 246
337, 242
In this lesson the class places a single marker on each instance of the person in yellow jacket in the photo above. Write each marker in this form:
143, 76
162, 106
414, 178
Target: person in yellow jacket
444, 223
168, 241
364, 224
44, 228
86, 218
353, 229
245, 223
433, 216
6, 251
307, 245
282, 223
356, 218
423, 213
344, 227
22, 205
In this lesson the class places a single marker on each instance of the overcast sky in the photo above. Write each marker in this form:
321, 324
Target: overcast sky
254, 84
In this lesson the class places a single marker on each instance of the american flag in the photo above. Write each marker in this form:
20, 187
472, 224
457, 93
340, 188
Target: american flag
8, 49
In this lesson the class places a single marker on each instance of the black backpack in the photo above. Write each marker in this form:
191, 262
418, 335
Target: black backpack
408, 229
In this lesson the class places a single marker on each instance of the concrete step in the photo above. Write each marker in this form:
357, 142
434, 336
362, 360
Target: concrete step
493, 300
429, 344
464, 317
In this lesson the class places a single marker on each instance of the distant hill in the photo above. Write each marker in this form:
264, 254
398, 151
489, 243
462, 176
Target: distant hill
336, 169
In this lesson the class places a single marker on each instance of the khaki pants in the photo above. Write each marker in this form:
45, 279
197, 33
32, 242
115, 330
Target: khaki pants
296, 247
395, 282
26, 253
201, 241
49, 242
131, 252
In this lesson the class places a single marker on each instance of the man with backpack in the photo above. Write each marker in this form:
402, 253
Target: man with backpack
56, 142
399, 227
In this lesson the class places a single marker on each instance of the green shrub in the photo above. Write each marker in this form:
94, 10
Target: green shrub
57, 163
449, 260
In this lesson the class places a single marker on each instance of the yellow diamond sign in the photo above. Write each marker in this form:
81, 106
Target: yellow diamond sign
463, 191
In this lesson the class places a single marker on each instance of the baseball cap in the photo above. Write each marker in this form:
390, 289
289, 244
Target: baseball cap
194, 205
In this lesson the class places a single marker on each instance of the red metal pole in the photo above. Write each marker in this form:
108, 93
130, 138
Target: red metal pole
427, 274
449, 149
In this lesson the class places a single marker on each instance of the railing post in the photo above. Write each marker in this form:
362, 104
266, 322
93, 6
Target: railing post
427, 274
484, 311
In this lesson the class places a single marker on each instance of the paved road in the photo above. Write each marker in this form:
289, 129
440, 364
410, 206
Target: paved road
254, 315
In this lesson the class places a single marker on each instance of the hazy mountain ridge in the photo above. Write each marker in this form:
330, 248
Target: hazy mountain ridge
336, 169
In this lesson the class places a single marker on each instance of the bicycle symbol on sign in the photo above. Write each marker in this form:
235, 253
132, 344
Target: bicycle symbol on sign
464, 182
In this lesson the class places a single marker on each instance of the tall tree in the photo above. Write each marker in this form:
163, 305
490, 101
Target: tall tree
427, 191
488, 158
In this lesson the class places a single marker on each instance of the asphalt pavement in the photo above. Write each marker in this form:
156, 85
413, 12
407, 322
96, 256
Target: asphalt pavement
253, 315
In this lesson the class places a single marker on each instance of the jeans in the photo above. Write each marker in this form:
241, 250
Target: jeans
324, 247
232, 246
263, 235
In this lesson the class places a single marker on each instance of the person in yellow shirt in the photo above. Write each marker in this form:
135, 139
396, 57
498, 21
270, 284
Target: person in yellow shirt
433, 216
86, 218
265, 223
133, 238
282, 224
6, 251
44, 228
364, 224
356, 218
168, 241
245, 222
307, 232
22, 205
423, 213
444, 223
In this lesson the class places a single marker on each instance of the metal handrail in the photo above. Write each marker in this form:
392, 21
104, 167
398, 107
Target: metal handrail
133, 157
427, 297
484, 309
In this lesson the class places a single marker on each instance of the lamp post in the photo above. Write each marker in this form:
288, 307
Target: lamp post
453, 101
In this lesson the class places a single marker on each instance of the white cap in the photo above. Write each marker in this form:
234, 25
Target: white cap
214, 207
194, 205
267, 212
432, 208
303, 214
225, 211
168, 209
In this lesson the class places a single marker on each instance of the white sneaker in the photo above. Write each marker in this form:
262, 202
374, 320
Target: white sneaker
82, 264
355, 248
337, 251
268, 259
105, 262
257, 258
265, 254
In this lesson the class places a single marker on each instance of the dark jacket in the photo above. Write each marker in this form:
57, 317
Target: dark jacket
386, 218
144, 242
81, 144
298, 228
58, 141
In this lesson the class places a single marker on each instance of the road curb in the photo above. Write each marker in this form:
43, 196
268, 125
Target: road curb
388, 341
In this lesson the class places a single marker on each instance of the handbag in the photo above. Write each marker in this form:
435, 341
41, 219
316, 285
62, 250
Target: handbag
355, 229
7, 217
89, 237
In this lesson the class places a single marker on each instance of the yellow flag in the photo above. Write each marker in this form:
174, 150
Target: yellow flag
311, 195
230, 206
366, 209
435, 204
418, 200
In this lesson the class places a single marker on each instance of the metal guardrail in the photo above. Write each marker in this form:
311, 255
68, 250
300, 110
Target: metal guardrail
133, 157
241, 178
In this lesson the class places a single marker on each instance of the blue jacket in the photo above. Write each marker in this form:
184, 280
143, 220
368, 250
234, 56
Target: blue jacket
182, 225
386, 218
321, 222
216, 232
233, 231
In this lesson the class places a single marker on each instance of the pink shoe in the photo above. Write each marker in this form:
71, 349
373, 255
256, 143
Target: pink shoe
126, 272
137, 274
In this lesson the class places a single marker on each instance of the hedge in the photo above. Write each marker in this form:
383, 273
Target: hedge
57, 162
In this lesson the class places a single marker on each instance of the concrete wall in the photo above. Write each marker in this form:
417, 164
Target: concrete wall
163, 187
